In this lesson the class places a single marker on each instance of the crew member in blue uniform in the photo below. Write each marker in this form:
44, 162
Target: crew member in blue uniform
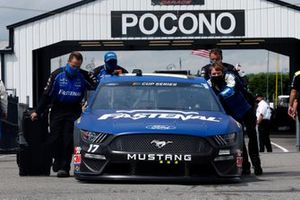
228, 88
64, 91
110, 66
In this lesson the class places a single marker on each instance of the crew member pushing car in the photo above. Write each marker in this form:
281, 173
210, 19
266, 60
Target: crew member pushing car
110, 66
64, 91
226, 86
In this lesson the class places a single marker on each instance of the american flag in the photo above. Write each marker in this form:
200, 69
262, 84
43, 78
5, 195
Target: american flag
201, 52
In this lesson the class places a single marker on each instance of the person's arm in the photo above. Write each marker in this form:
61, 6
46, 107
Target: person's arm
3, 98
259, 112
90, 79
229, 90
295, 105
293, 95
124, 71
205, 72
46, 96
259, 119
292, 107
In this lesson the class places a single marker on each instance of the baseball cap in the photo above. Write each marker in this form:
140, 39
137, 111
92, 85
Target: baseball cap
259, 95
110, 56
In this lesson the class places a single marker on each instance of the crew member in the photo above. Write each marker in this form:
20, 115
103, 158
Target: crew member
64, 91
293, 109
225, 85
110, 66
263, 116
216, 55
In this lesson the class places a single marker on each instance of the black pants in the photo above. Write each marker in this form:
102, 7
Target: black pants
61, 135
249, 121
264, 136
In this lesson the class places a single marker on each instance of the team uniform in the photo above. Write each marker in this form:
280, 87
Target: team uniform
64, 92
236, 105
101, 71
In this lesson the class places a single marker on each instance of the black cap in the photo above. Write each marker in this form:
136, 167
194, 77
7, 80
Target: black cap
258, 95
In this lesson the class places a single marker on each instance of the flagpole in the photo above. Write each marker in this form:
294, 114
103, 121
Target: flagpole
180, 64
276, 81
268, 71
281, 82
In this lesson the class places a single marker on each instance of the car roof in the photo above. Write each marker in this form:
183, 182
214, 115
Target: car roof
154, 78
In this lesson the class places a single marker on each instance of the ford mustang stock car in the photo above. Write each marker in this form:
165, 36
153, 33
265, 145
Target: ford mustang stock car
156, 127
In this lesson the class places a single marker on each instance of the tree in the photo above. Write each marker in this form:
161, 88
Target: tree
258, 84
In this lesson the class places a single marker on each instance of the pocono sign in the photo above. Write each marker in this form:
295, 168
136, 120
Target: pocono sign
177, 23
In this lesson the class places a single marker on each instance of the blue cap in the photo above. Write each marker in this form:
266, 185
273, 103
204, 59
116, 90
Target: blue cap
110, 56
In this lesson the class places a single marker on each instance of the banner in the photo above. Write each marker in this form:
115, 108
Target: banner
177, 23
177, 2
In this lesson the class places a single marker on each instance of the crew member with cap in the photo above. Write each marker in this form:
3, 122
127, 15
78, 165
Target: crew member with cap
110, 66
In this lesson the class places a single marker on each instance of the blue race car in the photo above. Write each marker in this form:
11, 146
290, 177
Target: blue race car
156, 127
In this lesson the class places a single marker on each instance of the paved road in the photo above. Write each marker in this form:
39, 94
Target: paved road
281, 180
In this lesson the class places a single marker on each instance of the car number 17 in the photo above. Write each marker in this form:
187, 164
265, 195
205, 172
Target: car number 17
93, 148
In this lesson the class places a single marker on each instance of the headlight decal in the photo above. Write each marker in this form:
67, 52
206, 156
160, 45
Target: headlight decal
93, 137
223, 140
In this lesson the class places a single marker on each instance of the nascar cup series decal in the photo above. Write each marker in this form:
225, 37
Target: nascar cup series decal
155, 114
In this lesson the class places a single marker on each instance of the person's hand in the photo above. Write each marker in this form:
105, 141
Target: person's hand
117, 72
34, 116
84, 106
292, 112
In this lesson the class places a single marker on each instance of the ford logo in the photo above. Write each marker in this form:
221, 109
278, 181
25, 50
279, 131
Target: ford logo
160, 127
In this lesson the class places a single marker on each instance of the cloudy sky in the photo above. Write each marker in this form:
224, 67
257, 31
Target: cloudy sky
253, 61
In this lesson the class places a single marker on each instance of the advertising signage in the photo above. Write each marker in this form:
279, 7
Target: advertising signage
177, 2
177, 23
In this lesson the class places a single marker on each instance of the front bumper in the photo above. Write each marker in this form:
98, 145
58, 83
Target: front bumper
108, 164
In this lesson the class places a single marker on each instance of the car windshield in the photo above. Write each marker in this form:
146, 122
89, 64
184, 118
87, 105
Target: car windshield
155, 96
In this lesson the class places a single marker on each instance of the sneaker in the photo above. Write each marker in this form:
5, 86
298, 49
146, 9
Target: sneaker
258, 170
63, 173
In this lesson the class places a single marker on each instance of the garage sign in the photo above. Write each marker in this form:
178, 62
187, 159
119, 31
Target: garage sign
177, 2
177, 23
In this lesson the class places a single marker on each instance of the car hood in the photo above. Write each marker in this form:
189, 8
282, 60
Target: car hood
204, 123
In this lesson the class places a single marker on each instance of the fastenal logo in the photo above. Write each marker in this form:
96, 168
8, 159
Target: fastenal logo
160, 144
156, 115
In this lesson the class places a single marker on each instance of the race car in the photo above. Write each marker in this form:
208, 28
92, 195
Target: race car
156, 127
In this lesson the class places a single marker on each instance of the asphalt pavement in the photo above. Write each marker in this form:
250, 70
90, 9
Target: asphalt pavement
281, 180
